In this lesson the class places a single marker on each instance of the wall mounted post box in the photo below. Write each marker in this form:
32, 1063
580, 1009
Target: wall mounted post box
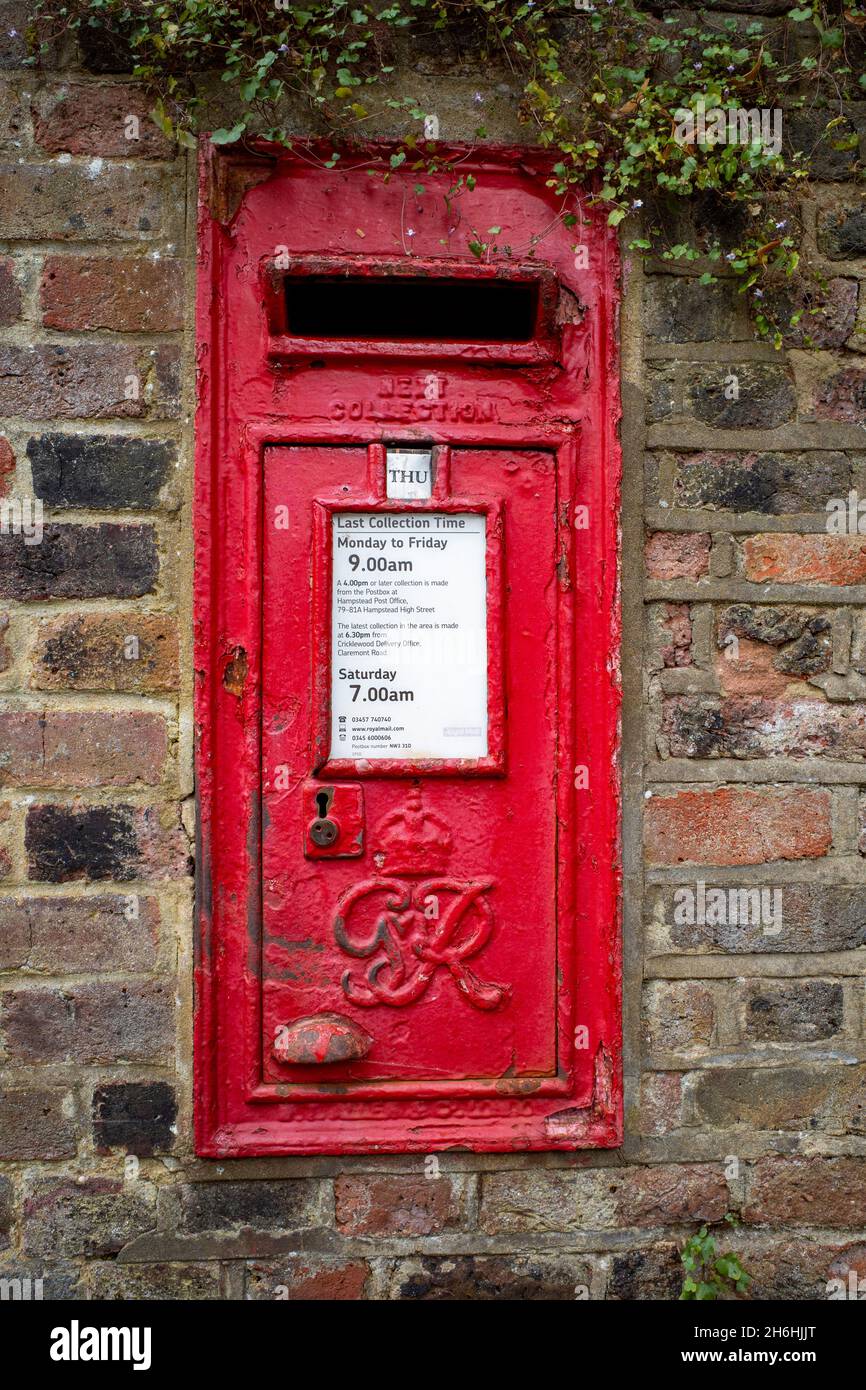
407, 664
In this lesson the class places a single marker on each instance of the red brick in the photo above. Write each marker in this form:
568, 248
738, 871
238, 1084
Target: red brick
737, 825
88, 652
53, 202
670, 1193
133, 294
788, 1270
36, 1123
601, 1199
791, 559
843, 397
109, 932
54, 381
753, 672
305, 1277
7, 465
5, 856
670, 635
828, 317
673, 556
81, 749
95, 1022
10, 293
393, 1206
93, 119
807, 1192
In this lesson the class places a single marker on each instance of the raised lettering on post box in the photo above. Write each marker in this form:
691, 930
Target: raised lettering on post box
407, 701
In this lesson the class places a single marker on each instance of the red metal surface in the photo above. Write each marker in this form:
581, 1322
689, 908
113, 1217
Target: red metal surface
457, 982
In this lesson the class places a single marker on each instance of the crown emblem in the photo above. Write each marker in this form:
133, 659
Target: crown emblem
412, 841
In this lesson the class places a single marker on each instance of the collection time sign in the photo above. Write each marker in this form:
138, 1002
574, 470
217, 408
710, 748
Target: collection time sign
409, 635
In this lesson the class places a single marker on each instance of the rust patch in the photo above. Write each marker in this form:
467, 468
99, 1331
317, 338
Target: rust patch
235, 673
232, 180
569, 308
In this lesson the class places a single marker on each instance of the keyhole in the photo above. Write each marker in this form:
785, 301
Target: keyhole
322, 804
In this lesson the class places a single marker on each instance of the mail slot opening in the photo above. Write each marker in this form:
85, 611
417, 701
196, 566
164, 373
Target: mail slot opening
411, 309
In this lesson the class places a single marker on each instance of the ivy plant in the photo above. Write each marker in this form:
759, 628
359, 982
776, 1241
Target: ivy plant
648, 107
708, 1274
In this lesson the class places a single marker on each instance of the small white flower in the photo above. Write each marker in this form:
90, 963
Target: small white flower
759, 294
410, 231
638, 203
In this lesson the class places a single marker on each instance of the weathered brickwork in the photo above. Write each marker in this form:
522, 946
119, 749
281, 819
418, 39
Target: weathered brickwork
745, 791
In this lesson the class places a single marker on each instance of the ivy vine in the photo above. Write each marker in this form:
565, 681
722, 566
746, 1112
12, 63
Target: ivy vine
627, 97
710, 1275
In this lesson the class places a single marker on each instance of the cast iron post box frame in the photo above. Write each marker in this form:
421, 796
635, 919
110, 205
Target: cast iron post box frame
556, 393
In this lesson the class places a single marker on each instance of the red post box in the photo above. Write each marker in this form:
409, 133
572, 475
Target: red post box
407, 661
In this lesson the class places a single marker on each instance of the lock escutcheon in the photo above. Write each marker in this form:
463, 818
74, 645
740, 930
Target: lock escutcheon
334, 821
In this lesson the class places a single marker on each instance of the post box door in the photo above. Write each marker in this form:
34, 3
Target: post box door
410, 892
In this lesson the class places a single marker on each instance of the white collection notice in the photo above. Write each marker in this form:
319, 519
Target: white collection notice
409, 635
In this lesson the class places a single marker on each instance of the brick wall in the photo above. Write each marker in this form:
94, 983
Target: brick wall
744, 765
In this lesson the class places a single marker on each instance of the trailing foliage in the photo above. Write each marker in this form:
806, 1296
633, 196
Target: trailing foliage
710, 1275
627, 97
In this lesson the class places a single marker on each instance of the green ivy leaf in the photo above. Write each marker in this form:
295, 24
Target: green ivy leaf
228, 137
